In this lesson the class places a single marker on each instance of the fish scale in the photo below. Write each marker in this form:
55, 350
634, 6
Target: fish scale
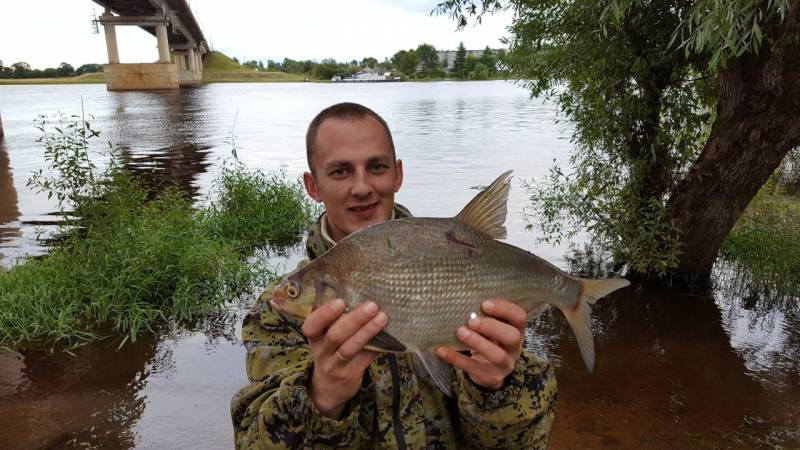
428, 300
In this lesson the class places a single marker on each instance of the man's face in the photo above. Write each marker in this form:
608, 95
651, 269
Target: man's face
355, 174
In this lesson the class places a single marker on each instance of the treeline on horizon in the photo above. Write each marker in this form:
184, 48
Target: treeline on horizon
23, 70
419, 63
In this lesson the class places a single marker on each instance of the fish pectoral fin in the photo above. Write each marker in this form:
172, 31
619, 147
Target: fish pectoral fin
487, 211
429, 367
385, 342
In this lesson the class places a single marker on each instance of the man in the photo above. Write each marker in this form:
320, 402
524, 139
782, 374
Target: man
313, 385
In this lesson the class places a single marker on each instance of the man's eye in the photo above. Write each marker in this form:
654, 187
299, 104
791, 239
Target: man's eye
379, 167
338, 172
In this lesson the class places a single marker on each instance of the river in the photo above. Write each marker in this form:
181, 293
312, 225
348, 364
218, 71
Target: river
675, 369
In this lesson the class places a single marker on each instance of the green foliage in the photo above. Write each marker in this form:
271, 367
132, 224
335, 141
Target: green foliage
469, 64
70, 175
428, 60
641, 107
140, 262
479, 72
723, 28
369, 62
253, 65
65, 70
22, 70
766, 239
89, 68
489, 59
458, 62
256, 208
405, 61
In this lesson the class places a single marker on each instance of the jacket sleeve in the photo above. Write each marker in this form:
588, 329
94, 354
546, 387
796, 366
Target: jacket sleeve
275, 410
517, 416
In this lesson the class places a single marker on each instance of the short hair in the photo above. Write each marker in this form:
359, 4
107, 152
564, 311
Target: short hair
347, 111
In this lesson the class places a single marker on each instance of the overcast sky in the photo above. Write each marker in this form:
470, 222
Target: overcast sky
45, 33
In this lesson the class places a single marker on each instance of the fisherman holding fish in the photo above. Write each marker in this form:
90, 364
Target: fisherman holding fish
401, 332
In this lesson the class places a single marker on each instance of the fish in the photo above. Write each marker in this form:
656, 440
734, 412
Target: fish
430, 275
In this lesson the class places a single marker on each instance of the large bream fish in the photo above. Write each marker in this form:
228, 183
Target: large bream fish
430, 274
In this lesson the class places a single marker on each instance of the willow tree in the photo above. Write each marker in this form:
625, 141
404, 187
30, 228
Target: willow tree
681, 110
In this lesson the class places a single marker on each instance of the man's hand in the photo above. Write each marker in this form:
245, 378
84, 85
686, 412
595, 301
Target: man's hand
495, 341
337, 345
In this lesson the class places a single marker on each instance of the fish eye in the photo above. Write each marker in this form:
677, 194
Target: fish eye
293, 290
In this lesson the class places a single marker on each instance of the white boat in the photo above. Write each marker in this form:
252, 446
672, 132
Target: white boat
365, 76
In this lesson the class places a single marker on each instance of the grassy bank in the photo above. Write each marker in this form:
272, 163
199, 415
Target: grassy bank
87, 78
129, 263
766, 240
250, 76
219, 68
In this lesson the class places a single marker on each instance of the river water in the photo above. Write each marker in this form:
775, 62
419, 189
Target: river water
675, 369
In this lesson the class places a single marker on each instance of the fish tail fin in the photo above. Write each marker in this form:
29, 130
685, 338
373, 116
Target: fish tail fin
580, 316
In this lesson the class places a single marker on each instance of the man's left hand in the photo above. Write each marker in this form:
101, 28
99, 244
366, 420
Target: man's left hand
495, 341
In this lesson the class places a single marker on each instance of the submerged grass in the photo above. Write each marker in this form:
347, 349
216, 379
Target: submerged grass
129, 262
257, 208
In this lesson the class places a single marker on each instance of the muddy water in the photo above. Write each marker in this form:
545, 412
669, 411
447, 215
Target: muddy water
674, 369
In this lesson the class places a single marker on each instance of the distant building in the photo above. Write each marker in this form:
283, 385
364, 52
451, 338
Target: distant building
447, 57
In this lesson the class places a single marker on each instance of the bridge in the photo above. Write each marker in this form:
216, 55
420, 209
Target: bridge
180, 44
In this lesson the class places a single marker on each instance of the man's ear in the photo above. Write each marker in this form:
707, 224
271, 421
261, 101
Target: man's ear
311, 186
398, 179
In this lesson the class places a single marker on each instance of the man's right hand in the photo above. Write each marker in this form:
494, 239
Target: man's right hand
336, 378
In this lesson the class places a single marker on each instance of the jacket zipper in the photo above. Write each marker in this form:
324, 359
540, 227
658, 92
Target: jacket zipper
396, 424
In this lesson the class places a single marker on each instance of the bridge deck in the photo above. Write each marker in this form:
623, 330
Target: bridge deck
146, 8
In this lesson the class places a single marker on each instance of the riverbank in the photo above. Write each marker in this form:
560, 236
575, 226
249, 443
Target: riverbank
87, 78
766, 243
216, 76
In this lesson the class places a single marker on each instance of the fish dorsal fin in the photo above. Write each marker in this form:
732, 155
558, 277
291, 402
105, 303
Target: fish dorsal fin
487, 211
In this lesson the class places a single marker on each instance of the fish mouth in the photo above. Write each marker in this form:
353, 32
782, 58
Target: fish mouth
364, 211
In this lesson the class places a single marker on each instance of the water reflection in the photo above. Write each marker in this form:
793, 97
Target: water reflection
65, 401
176, 166
675, 369
9, 211
667, 376
172, 117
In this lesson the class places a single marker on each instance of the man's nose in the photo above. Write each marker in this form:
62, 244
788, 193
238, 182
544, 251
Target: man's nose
361, 186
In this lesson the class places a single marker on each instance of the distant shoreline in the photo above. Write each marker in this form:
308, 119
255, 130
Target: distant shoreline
212, 77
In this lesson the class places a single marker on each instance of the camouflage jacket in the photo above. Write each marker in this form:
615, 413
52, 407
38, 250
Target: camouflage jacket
392, 410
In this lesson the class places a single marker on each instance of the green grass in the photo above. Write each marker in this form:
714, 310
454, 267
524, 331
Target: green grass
251, 76
766, 240
257, 208
138, 263
80, 79
218, 61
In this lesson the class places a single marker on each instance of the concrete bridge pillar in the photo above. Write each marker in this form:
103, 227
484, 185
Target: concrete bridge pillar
111, 41
191, 59
163, 44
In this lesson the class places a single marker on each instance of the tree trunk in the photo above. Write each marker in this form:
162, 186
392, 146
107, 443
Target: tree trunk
758, 123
